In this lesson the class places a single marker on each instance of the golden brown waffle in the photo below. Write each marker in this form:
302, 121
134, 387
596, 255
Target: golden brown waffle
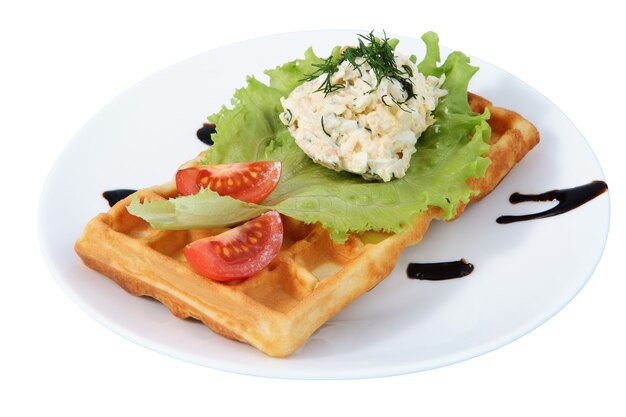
309, 282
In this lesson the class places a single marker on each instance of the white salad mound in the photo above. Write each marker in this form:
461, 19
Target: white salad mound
361, 127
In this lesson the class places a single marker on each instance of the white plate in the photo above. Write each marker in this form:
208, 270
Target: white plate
525, 272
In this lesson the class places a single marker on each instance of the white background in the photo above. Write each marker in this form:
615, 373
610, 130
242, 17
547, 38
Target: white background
62, 61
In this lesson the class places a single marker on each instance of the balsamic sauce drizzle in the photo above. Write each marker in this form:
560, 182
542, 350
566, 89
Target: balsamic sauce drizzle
205, 132
569, 199
439, 271
113, 196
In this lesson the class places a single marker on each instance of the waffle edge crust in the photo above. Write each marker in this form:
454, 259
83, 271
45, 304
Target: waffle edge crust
310, 281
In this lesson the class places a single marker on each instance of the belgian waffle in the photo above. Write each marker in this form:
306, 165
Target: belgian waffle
311, 279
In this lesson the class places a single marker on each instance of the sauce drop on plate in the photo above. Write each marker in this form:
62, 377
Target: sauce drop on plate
568, 198
438, 271
113, 196
205, 132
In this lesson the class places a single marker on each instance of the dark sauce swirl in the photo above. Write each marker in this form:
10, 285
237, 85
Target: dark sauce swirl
113, 196
439, 271
568, 198
205, 132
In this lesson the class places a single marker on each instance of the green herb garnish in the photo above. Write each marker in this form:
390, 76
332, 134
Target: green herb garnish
324, 128
377, 52
290, 115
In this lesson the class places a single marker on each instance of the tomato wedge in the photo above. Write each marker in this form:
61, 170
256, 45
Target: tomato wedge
245, 181
240, 252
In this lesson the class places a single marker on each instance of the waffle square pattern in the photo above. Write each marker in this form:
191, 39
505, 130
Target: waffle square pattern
311, 279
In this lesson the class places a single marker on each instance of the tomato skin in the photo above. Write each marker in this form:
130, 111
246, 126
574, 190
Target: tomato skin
246, 181
240, 252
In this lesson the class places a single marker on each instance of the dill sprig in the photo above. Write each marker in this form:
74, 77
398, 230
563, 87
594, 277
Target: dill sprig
377, 52
324, 128
329, 66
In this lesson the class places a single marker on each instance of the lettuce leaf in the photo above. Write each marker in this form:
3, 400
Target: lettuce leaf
448, 153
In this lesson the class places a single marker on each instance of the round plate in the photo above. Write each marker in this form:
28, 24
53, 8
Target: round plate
524, 272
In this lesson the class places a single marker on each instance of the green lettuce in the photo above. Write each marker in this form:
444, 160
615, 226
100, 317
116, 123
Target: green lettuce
448, 153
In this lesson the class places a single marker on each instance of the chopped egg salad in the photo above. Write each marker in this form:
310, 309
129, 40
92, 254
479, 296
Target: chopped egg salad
367, 126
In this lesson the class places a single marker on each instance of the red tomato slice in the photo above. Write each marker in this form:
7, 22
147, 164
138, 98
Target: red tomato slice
240, 252
245, 181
